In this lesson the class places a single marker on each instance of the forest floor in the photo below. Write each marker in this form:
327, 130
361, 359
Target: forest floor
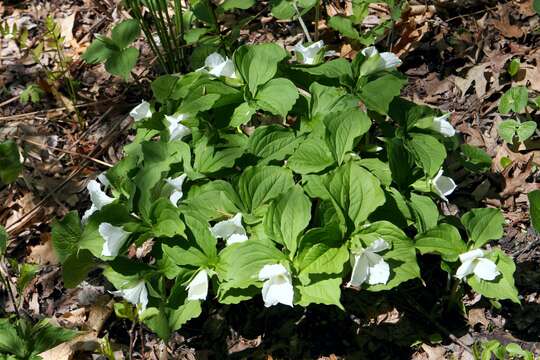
455, 54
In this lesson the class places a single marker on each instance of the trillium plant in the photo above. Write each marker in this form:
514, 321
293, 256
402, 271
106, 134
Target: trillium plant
283, 179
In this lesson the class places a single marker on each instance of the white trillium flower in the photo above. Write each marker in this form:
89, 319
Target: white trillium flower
141, 111
176, 130
114, 237
443, 185
388, 60
474, 262
198, 286
104, 180
98, 198
442, 125
370, 266
176, 184
217, 65
230, 230
309, 53
278, 285
137, 295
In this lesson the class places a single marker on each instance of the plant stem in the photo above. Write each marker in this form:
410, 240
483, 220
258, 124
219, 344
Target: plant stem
302, 24
317, 18
7, 285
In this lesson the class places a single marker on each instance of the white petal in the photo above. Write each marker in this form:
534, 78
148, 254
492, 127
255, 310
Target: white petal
176, 130
443, 126
360, 271
471, 255
175, 197
176, 185
308, 53
104, 180
370, 51
465, 269
141, 111
198, 287
269, 271
378, 245
114, 237
390, 60
443, 185
231, 230
228, 70
88, 213
99, 198
379, 271
278, 290
486, 269
213, 60
137, 295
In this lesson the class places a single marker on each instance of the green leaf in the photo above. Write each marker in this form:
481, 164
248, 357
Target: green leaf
515, 99
121, 62
536, 6
513, 67
312, 156
273, 142
32, 92
168, 222
26, 273
283, 9
242, 114
125, 33
503, 286
378, 168
428, 152
401, 257
257, 64
353, 191
66, 235
213, 200
526, 130
379, 93
164, 86
3, 240
342, 131
321, 251
199, 233
76, 267
234, 292
11, 342
425, 212
179, 317
327, 99
277, 96
209, 160
400, 162
97, 52
45, 336
534, 208
10, 162
475, 159
258, 185
325, 291
237, 4
287, 216
345, 26
483, 225
242, 262
443, 240
507, 130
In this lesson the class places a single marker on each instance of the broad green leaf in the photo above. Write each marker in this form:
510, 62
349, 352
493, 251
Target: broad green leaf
121, 62
213, 200
379, 93
258, 185
327, 99
257, 64
507, 130
354, 192
45, 336
76, 267
283, 9
185, 254
515, 99
321, 251
167, 222
378, 168
483, 225
198, 104
526, 130
287, 216
199, 231
428, 152
242, 114
208, 159
401, 257
11, 342
164, 86
408, 114
534, 208
10, 162
475, 159
273, 142
443, 240
325, 291
66, 234
400, 162
277, 96
425, 212
242, 262
503, 286
125, 33
26, 273
234, 292
312, 156
345, 26
342, 129
179, 317
237, 4
513, 67
97, 52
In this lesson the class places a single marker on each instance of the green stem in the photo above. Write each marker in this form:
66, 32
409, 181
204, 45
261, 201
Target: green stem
7, 285
317, 18
302, 24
